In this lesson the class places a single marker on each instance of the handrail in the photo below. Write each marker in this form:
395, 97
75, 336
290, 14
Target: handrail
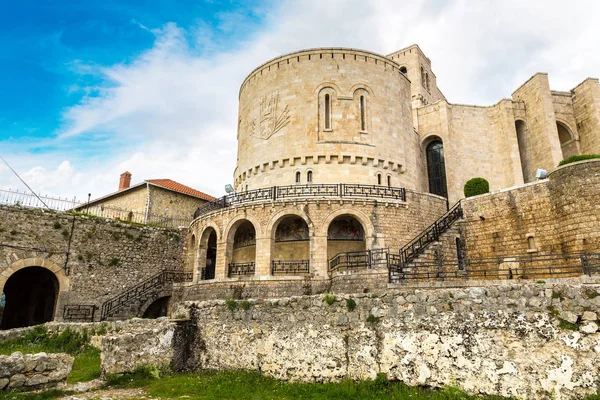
167, 276
413, 248
294, 191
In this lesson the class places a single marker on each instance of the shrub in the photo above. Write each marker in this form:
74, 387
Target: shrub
350, 304
114, 261
582, 157
373, 319
476, 186
245, 305
329, 299
57, 225
231, 304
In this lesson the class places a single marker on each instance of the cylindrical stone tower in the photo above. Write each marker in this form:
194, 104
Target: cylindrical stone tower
326, 115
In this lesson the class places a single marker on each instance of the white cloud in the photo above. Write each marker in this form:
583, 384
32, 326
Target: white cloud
174, 111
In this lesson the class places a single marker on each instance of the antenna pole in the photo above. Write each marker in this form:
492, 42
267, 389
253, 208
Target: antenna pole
24, 183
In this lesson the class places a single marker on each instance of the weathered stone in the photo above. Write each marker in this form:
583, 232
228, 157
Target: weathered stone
590, 327
37, 379
569, 316
589, 316
17, 381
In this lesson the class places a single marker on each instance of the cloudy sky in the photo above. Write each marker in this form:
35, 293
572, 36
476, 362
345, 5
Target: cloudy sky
89, 89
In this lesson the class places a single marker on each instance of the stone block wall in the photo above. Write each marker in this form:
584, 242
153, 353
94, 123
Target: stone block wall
172, 204
532, 341
34, 371
93, 259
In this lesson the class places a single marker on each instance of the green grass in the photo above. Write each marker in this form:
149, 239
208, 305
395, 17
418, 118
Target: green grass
86, 365
209, 385
47, 395
581, 157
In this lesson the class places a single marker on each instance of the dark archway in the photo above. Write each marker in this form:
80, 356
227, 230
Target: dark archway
30, 298
568, 145
211, 255
523, 142
158, 308
436, 168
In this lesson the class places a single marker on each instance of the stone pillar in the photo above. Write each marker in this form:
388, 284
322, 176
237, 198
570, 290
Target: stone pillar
222, 257
319, 264
200, 263
263, 256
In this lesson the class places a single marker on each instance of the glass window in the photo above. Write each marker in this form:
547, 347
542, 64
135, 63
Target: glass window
363, 125
436, 169
309, 176
327, 111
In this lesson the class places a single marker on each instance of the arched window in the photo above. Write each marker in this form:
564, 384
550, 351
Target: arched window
298, 176
427, 81
327, 111
379, 179
309, 176
363, 125
567, 144
403, 70
422, 76
436, 169
389, 181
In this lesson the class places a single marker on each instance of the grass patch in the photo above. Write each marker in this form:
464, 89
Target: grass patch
581, 157
208, 385
351, 304
564, 324
329, 299
86, 365
47, 395
231, 304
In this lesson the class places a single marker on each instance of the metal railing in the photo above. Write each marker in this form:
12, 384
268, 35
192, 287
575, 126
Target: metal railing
79, 313
241, 269
110, 307
290, 267
15, 197
299, 191
25, 199
432, 234
529, 266
357, 260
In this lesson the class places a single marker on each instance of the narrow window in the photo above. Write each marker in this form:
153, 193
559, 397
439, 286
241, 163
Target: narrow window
422, 76
327, 111
246, 188
309, 176
403, 70
298, 177
436, 168
459, 254
362, 114
389, 179
427, 81
379, 179
531, 243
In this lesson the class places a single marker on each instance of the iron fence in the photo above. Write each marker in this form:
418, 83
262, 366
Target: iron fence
290, 267
241, 269
24, 199
357, 260
299, 191
157, 281
79, 313
530, 266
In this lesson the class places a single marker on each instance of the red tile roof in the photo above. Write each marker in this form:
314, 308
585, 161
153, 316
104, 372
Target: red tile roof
178, 187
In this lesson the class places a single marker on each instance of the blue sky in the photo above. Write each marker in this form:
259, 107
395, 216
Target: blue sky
89, 88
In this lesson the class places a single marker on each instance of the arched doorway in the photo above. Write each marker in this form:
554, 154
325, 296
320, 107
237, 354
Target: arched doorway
436, 168
291, 252
568, 145
522, 140
208, 251
243, 254
345, 234
30, 295
158, 308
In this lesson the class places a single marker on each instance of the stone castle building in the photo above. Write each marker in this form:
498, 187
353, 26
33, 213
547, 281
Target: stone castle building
348, 167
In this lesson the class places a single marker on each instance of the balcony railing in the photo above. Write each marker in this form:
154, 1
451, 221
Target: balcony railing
290, 267
303, 191
241, 269
357, 260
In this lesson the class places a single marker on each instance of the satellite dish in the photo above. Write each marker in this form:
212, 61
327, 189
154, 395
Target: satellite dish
229, 188
541, 173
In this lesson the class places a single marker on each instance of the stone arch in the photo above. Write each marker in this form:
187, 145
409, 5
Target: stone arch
161, 302
291, 255
360, 216
345, 233
566, 137
32, 287
326, 85
362, 86
207, 252
242, 258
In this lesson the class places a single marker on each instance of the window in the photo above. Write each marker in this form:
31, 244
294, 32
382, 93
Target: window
309, 176
427, 81
436, 169
379, 179
422, 76
327, 111
298, 177
389, 181
403, 70
363, 125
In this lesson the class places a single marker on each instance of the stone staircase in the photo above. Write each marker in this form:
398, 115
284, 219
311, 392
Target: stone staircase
432, 250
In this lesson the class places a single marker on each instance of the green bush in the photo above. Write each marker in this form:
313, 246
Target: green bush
231, 304
329, 299
476, 186
350, 304
582, 157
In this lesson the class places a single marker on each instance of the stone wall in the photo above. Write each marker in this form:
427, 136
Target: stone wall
561, 213
172, 204
533, 341
34, 371
135, 199
93, 259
